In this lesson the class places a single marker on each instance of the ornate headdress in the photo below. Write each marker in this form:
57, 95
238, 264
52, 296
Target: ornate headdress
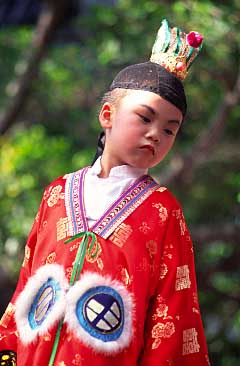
175, 50
172, 54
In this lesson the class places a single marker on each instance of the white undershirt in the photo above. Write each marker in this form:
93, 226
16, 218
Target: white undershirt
100, 193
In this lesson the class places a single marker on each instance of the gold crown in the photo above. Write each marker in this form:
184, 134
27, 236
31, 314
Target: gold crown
175, 50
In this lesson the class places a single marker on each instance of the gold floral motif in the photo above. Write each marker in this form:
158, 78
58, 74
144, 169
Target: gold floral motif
55, 195
60, 363
74, 246
7, 316
163, 270
125, 277
161, 189
182, 278
47, 337
151, 246
27, 255
37, 216
51, 258
179, 216
121, 234
100, 264
69, 273
190, 342
162, 330
195, 310
144, 228
170, 362
15, 333
143, 265
77, 360
62, 228
156, 343
195, 298
163, 214
167, 251
161, 312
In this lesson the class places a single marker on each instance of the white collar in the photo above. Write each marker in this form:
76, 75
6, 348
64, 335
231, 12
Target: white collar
121, 171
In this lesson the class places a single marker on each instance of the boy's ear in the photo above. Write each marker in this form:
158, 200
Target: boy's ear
105, 115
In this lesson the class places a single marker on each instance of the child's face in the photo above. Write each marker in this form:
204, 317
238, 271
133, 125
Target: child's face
140, 131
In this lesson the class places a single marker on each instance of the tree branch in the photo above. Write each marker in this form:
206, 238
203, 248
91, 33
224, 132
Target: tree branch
51, 15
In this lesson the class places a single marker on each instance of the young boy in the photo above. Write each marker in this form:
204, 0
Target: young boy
108, 277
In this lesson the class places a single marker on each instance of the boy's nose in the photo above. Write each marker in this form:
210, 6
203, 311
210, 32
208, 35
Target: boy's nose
154, 135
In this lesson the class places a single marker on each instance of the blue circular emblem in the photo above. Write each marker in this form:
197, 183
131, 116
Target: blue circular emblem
100, 312
43, 302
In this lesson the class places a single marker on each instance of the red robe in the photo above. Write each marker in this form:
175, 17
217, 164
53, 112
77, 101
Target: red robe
135, 301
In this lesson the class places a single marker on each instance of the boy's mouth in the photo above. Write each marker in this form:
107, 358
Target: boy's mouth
149, 148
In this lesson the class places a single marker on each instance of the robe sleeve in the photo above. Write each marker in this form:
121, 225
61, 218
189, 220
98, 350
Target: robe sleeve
8, 331
174, 333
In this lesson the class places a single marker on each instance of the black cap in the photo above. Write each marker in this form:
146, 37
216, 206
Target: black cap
152, 77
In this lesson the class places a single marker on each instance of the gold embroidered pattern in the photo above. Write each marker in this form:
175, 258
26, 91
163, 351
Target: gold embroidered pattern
125, 277
163, 271
121, 234
143, 265
27, 255
144, 228
74, 247
162, 330
161, 310
47, 337
190, 342
179, 216
51, 258
100, 264
69, 273
195, 310
151, 246
161, 189
182, 278
37, 217
55, 195
62, 228
167, 251
77, 360
6, 318
163, 214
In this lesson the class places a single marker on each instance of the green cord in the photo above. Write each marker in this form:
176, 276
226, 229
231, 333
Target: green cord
56, 342
77, 268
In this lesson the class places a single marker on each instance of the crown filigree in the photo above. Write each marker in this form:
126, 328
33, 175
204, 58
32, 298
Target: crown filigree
175, 50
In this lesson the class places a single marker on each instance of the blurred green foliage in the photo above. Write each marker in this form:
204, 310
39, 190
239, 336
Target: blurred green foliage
57, 131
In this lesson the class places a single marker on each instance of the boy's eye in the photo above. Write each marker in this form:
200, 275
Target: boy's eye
145, 119
169, 132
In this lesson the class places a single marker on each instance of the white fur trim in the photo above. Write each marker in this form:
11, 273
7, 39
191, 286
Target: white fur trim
89, 281
27, 296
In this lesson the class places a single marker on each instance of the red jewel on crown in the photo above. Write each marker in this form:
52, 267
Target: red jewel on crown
194, 39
